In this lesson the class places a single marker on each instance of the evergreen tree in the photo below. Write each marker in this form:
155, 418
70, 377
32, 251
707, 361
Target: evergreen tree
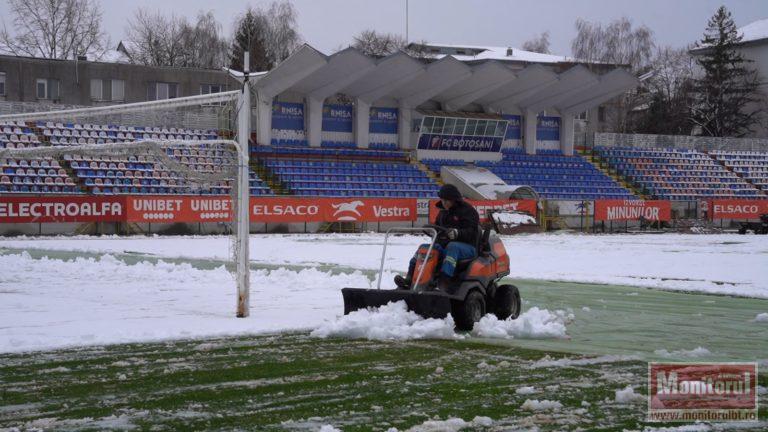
250, 34
727, 94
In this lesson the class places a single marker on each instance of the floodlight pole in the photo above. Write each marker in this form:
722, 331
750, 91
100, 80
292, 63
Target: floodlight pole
244, 194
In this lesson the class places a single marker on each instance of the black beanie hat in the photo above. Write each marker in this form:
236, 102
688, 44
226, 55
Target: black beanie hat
449, 192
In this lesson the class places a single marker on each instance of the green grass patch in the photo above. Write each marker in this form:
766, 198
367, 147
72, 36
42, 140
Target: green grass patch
294, 382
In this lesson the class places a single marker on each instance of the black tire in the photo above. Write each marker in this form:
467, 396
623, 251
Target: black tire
466, 313
507, 302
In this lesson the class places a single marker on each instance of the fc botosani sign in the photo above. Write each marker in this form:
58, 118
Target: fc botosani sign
460, 143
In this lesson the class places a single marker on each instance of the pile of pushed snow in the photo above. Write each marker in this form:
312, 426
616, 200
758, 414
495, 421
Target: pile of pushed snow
694, 353
628, 395
453, 424
392, 321
541, 405
535, 323
761, 317
513, 218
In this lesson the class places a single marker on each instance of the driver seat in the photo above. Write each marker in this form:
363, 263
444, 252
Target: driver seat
482, 249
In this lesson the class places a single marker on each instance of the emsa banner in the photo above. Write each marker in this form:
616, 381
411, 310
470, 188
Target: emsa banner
513, 126
482, 207
548, 128
287, 116
383, 120
337, 118
737, 209
632, 210
459, 143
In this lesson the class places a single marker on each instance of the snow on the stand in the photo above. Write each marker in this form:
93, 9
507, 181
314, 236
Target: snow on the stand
535, 323
512, 218
452, 424
761, 317
392, 321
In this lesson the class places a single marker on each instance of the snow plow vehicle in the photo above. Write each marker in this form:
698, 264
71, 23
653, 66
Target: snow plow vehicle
756, 227
474, 290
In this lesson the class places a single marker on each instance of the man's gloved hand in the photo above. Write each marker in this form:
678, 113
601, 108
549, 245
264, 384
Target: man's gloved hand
452, 233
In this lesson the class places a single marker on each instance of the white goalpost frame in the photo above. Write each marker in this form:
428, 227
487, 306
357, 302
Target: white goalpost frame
241, 200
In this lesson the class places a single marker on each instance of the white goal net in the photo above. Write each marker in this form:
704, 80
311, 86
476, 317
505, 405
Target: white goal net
186, 146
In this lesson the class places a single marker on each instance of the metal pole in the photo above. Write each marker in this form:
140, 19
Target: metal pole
243, 209
406, 21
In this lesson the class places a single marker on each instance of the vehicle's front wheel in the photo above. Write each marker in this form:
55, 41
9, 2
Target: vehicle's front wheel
507, 302
466, 313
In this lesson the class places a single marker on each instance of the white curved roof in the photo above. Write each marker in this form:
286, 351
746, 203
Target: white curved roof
455, 84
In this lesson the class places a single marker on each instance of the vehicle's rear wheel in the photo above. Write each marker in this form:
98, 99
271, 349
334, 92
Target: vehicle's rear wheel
466, 313
507, 302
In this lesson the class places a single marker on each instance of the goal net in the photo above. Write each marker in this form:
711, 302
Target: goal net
181, 147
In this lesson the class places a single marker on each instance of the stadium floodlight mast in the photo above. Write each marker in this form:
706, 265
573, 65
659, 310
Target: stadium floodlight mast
239, 194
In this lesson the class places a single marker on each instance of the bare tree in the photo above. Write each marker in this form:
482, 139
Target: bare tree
159, 40
669, 92
375, 44
57, 29
538, 44
618, 43
282, 36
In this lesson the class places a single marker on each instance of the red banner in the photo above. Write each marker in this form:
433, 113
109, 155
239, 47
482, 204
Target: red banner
632, 210
482, 207
48, 209
277, 209
170, 209
737, 209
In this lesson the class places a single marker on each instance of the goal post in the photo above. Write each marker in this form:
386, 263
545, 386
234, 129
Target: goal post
226, 112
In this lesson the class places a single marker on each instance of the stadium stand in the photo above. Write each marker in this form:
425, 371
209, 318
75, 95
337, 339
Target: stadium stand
676, 174
752, 166
108, 174
551, 174
347, 172
41, 175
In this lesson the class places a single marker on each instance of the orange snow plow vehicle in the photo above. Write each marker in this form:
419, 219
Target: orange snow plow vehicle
476, 288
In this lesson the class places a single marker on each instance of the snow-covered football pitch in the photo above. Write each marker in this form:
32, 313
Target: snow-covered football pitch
139, 333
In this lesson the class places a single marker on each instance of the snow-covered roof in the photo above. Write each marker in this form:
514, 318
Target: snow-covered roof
500, 53
754, 31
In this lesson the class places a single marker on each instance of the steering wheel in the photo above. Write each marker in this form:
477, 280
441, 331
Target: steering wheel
441, 231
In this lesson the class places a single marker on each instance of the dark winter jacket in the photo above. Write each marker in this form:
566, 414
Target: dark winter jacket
464, 218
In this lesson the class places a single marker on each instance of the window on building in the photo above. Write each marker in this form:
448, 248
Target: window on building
118, 90
212, 88
601, 114
47, 89
162, 90
2, 83
107, 90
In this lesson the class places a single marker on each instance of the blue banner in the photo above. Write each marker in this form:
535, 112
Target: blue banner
513, 126
337, 118
460, 143
287, 116
383, 120
548, 129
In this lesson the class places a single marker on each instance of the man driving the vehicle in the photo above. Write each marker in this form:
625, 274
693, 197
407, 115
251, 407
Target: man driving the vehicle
459, 241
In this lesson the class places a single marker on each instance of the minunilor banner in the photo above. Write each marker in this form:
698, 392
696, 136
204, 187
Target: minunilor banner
632, 210
52, 209
171, 209
277, 209
737, 209
482, 207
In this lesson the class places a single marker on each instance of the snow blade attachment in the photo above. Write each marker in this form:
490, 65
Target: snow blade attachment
426, 304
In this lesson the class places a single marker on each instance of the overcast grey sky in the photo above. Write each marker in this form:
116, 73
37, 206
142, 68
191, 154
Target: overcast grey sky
328, 24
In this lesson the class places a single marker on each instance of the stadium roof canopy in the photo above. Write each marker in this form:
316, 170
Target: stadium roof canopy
449, 81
